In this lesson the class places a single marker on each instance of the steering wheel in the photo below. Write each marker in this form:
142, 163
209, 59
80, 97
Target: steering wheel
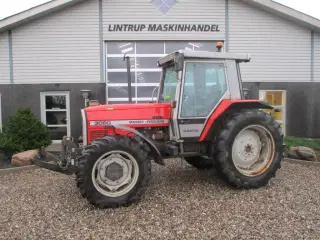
191, 109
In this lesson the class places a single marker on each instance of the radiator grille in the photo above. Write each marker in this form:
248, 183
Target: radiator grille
98, 134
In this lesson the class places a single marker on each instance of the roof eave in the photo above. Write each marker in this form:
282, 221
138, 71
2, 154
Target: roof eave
34, 13
287, 13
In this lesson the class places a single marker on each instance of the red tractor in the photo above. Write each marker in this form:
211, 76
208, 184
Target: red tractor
200, 115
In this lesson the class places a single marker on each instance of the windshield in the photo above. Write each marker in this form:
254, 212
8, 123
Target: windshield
169, 85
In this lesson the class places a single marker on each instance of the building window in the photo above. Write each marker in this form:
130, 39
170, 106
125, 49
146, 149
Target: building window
55, 113
145, 74
277, 99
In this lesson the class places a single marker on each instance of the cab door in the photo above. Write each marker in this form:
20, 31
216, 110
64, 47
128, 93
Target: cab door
204, 86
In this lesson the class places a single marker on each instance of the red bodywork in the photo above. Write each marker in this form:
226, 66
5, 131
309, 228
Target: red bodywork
223, 107
125, 114
147, 115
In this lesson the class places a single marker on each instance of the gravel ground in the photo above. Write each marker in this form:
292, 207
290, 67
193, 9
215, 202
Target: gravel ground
180, 204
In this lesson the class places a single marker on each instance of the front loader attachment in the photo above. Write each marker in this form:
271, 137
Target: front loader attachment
66, 163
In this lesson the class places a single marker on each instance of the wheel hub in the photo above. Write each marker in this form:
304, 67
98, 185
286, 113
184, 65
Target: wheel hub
114, 173
252, 150
247, 147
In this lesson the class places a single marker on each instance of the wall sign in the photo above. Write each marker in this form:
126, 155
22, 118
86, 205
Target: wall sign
163, 28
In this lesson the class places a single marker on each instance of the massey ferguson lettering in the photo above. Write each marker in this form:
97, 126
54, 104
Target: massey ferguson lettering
130, 122
160, 121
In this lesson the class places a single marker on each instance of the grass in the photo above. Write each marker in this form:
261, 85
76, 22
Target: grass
303, 142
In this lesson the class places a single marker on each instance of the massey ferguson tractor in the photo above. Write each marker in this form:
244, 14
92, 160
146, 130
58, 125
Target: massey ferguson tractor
200, 115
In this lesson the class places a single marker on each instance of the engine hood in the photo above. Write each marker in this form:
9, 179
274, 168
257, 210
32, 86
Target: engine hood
133, 115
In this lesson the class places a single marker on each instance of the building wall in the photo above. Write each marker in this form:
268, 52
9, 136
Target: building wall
62, 47
144, 12
4, 59
29, 96
61, 52
301, 114
281, 50
317, 57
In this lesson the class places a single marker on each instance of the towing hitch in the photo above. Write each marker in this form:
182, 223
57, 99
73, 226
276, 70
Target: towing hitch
66, 163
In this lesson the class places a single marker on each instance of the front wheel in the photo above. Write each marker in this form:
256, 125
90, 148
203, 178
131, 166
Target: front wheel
114, 171
249, 150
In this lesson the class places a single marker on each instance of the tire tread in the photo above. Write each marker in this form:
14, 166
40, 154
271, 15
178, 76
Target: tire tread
223, 155
93, 152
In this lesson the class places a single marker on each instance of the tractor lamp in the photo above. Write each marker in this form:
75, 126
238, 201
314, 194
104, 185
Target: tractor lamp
85, 94
219, 46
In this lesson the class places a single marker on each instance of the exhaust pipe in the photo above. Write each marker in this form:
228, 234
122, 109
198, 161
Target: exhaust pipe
127, 59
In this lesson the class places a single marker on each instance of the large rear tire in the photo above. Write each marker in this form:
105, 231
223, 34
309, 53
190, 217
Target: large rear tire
200, 163
249, 149
114, 171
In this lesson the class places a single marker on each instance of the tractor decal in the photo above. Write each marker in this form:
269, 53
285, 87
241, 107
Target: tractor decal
124, 122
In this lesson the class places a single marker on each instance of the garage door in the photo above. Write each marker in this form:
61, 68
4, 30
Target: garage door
145, 74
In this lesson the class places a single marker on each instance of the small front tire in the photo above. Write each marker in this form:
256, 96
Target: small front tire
114, 171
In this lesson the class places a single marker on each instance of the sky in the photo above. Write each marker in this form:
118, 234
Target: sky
10, 7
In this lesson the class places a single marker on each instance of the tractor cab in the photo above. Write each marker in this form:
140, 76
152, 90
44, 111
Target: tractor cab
195, 83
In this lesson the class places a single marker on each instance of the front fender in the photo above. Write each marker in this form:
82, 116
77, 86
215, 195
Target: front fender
156, 153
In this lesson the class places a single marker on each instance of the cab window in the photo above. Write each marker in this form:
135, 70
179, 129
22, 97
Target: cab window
204, 86
170, 83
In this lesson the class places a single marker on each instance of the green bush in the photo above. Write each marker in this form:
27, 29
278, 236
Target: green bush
24, 131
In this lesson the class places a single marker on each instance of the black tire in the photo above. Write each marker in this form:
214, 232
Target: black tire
223, 149
91, 154
200, 163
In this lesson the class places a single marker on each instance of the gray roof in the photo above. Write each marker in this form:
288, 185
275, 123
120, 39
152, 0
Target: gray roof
55, 5
174, 56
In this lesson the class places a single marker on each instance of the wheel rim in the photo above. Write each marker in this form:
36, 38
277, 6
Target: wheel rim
253, 150
115, 173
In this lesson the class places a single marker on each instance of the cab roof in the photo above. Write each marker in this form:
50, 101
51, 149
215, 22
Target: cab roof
185, 54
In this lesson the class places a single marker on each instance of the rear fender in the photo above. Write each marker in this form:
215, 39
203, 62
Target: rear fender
225, 108
154, 150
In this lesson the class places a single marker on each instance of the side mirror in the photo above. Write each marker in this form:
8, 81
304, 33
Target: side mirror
153, 93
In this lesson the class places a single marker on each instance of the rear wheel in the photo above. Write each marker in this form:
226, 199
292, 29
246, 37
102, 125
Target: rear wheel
249, 149
114, 171
200, 163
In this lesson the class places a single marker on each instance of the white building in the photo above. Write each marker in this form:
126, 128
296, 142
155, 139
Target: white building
51, 52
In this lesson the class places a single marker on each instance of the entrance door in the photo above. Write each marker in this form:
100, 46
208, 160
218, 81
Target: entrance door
204, 87
55, 113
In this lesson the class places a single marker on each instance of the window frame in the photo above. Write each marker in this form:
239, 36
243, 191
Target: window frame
183, 84
134, 54
43, 110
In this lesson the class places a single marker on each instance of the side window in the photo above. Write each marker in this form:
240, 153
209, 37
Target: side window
170, 83
204, 86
